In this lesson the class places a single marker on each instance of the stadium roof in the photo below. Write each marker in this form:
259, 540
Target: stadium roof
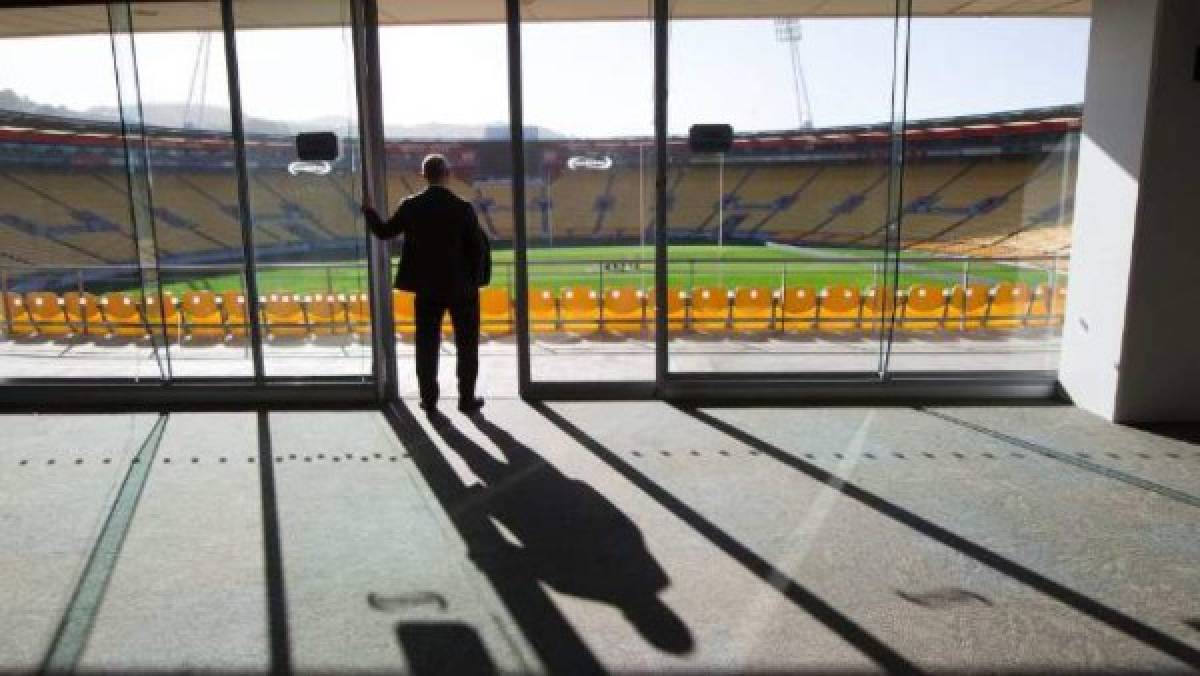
66, 19
61, 131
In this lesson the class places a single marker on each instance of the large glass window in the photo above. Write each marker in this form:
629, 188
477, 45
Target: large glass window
995, 107
895, 194
777, 241
459, 109
589, 159
70, 270
309, 236
201, 267
121, 224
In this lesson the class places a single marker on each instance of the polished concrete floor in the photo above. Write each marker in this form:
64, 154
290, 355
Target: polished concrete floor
599, 537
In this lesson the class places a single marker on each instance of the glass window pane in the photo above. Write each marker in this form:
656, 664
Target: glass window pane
69, 267
458, 109
994, 113
185, 100
309, 236
776, 238
589, 115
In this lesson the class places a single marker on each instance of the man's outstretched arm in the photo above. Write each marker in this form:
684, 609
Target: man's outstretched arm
384, 229
477, 249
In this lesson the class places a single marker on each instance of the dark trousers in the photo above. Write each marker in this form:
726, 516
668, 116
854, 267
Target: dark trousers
464, 316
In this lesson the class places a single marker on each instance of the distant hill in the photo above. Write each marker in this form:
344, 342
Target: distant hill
216, 118
10, 100
156, 114
180, 115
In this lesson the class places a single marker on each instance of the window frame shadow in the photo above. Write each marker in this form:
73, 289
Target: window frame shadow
557, 644
867, 643
1121, 622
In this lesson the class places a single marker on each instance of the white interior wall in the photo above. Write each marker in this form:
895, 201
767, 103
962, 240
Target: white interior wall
1130, 351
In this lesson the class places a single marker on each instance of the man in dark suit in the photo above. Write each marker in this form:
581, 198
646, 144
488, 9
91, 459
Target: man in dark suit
446, 257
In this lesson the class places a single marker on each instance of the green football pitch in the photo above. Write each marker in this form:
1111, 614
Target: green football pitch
617, 266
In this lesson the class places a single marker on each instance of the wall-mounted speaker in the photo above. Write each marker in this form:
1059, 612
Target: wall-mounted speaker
710, 138
316, 146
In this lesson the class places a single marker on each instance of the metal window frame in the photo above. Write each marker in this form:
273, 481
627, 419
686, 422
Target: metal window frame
369, 83
237, 130
516, 124
98, 393
138, 189
882, 385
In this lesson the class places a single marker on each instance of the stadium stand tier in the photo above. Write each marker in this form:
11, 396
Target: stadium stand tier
997, 185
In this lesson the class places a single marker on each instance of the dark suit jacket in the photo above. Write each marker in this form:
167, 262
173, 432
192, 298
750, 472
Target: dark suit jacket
445, 251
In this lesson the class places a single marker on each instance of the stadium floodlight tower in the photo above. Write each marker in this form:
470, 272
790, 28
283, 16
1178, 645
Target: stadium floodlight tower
197, 94
790, 31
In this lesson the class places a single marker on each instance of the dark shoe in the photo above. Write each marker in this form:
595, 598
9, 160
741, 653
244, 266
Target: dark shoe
471, 405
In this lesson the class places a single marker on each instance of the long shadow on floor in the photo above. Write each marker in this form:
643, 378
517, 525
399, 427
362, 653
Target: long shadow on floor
507, 568
571, 537
277, 610
1098, 611
555, 641
870, 646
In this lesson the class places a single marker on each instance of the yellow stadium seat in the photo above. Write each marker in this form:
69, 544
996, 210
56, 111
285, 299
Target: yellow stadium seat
326, 314
579, 310
495, 312
83, 312
753, 308
47, 313
202, 315
624, 312
710, 308
404, 314
1009, 307
233, 305
798, 309
878, 308
358, 313
676, 309
543, 311
16, 316
168, 318
967, 306
838, 309
1047, 308
924, 308
123, 315
283, 315
1058, 308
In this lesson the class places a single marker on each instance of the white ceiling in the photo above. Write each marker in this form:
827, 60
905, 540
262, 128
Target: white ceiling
192, 15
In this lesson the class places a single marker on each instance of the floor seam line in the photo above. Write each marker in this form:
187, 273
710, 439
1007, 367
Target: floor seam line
1066, 458
73, 632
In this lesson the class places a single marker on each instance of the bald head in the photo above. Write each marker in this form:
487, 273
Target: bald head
435, 169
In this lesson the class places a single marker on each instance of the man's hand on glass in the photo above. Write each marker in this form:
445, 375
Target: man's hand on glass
372, 216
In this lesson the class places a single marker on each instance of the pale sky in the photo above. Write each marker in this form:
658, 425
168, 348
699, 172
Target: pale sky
592, 79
